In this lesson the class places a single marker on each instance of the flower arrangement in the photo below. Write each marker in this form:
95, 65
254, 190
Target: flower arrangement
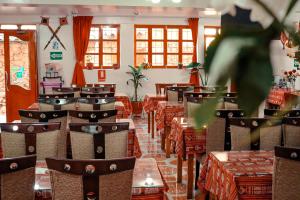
290, 77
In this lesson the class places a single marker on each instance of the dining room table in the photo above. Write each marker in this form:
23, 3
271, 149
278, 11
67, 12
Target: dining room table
147, 184
150, 107
189, 143
125, 99
119, 106
166, 111
237, 175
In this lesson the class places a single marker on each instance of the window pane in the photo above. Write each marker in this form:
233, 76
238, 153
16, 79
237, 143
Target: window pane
93, 47
92, 59
157, 33
173, 34
142, 33
172, 60
208, 40
187, 47
172, 47
9, 27
109, 33
187, 34
142, 47
141, 59
157, 60
187, 59
157, 47
210, 31
109, 60
110, 47
94, 33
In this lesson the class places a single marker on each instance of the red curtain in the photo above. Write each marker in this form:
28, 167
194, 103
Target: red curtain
81, 34
193, 24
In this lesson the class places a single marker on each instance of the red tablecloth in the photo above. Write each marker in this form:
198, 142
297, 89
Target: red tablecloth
127, 104
276, 96
237, 175
187, 140
166, 111
151, 101
144, 168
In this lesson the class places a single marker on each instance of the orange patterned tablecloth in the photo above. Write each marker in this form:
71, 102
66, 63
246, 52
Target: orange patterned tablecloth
144, 168
151, 101
186, 139
165, 113
237, 175
277, 96
124, 98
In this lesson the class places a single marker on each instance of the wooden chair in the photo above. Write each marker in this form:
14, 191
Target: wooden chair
99, 140
112, 86
192, 103
91, 179
57, 104
161, 88
270, 113
54, 81
176, 94
92, 116
255, 133
286, 176
185, 85
291, 131
97, 95
213, 89
20, 139
90, 104
56, 96
63, 90
17, 178
91, 90
61, 116
230, 103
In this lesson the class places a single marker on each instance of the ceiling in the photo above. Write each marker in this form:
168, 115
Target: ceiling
187, 8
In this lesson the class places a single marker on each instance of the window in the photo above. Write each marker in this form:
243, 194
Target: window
163, 46
17, 27
104, 47
210, 33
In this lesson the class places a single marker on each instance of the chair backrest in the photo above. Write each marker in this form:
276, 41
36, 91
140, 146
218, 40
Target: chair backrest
34, 116
230, 103
192, 103
255, 133
291, 131
97, 95
90, 104
99, 140
213, 89
59, 90
111, 86
286, 176
270, 113
218, 131
91, 179
161, 88
92, 116
17, 177
49, 82
57, 104
185, 84
90, 90
229, 94
56, 96
176, 94
20, 139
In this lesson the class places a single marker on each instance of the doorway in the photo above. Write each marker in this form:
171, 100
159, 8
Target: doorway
18, 72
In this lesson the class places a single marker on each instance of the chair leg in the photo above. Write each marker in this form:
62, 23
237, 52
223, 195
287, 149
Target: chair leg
197, 173
168, 142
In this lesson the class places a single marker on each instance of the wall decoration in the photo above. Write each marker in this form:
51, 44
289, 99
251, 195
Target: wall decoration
56, 55
296, 63
55, 45
101, 75
53, 69
62, 21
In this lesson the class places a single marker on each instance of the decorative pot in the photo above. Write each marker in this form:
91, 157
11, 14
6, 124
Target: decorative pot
90, 66
180, 66
137, 107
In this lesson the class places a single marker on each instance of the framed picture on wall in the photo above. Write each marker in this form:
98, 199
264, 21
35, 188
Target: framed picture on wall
101, 75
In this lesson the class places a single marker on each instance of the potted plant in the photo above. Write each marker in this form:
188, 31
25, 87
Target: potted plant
137, 77
195, 68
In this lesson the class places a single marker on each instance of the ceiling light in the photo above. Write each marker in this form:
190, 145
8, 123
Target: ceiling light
176, 1
155, 1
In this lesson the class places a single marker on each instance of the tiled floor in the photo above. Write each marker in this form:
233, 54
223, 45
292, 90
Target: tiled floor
151, 149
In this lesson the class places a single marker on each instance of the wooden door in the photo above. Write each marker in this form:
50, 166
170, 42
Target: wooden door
20, 71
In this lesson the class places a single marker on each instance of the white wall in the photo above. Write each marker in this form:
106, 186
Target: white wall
126, 51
